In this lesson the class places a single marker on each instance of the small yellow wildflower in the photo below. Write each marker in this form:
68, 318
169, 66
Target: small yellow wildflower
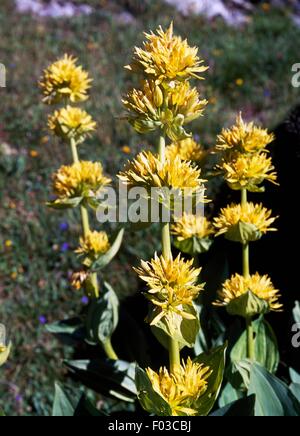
14, 275
261, 286
239, 82
71, 122
34, 153
82, 179
190, 226
251, 214
165, 57
65, 80
187, 149
94, 244
248, 171
243, 137
172, 284
126, 149
8, 243
183, 389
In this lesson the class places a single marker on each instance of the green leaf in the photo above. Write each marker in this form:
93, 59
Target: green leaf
2, 412
266, 347
229, 395
193, 246
273, 397
62, 405
104, 260
295, 389
241, 407
115, 379
68, 203
103, 316
295, 376
69, 331
296, 312
247, 305
151, 401
216, 362
243, 232
180, 329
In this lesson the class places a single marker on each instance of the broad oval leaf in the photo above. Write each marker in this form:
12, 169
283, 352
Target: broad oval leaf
216, 362
150, 400
273, 397
103, 316
266, 347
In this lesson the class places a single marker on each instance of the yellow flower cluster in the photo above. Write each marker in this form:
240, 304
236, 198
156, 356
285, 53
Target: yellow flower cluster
94, 244
165, 57
71, 122
245, 164
166, 100
244, 137
148, 110
249, 213
65, 80
190, 226
82, 179
172, 285
147, 171
248, 171
182, 389
187, 149
261, 286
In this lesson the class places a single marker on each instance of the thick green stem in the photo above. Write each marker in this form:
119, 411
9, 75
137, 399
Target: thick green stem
109, 351
246, 273
174, 352
174, 355
246, 265
74, 151
250, 340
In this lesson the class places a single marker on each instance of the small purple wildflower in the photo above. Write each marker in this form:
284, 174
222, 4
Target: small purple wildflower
18, 398
42, 320
64, 226
85, 300
64, 247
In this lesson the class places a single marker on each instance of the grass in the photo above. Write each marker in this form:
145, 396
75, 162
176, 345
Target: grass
35, 243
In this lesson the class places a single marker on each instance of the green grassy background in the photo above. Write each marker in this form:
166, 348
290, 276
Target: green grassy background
34, 266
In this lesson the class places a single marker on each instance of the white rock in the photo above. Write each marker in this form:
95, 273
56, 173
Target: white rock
209, 8
52, 9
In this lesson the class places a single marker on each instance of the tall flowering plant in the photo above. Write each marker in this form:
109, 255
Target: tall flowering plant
166, 102
245, 165
79, 184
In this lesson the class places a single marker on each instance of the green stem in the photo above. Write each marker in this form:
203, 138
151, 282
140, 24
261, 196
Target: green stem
109, 351
246, 264
85, 219
174, 355
246, 273
250, 340
74, 151
174, 351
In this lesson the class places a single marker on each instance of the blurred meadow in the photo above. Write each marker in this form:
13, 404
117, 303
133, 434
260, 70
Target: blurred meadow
250, 69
